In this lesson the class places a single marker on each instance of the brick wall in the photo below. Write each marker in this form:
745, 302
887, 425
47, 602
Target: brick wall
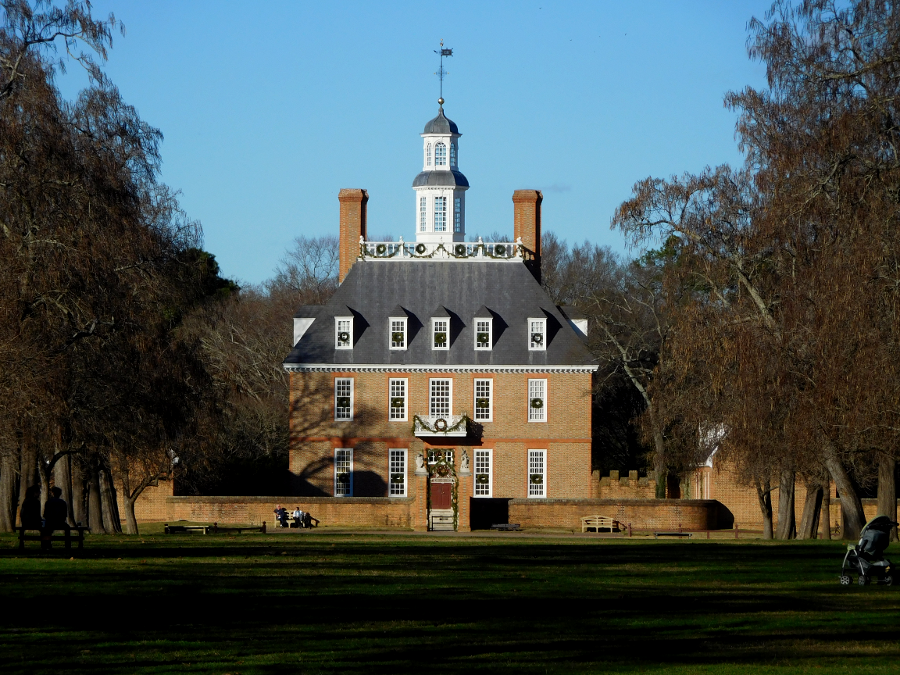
643, 514
565, 435
151, 506
626, 487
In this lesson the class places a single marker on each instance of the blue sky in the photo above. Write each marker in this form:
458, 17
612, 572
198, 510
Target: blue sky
269, 109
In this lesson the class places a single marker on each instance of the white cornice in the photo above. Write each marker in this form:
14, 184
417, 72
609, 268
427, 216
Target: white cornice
431, 368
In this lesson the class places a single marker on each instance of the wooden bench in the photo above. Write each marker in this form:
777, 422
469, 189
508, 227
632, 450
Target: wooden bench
506, 527
689, 535
178, 529
600, 523
216, 528
66, 535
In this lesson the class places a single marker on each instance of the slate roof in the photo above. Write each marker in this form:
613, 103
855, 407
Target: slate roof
451, 178
373, 290
441, 125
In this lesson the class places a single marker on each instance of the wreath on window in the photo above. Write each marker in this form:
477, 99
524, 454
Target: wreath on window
420, 248
537, 478
440, 338
397, 402
442, 470
397, 336
440, 424
343, 401
484, 338
344, 336
482, 478
482, 403
537, 338
381, 249
460, 249
537, 403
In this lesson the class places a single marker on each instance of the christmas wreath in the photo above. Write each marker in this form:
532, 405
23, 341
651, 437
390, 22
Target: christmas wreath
381, 249
420, 248
440, 424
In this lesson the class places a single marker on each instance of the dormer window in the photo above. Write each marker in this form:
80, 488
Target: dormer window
537, 334
397, 332
428, 155
440, 332
453, 154
343, 332
483, 334
440, 155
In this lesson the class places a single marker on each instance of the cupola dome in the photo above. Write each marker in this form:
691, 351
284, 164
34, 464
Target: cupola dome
441, 125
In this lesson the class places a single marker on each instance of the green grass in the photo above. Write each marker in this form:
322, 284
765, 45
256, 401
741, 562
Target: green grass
343, 603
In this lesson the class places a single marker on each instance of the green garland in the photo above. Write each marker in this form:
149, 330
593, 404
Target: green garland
454, 488
418, 421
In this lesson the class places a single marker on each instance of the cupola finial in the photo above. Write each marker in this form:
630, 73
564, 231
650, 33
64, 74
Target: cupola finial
441, 72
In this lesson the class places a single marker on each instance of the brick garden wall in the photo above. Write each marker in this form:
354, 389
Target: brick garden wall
643, 514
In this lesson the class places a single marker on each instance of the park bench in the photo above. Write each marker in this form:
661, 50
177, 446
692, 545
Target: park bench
657, 535
216, 528
65, 535
600, 523
179, 529
506, 527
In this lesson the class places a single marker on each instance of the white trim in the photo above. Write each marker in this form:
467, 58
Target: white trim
479, 453
537, 326
449, 394
490, 398
337, 332
350, 471
404, 471
428, 368
490, 332
405, 381
537, 414
434, 331
391, 331
352, 388
537, 464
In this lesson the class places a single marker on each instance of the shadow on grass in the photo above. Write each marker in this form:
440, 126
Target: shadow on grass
382, 605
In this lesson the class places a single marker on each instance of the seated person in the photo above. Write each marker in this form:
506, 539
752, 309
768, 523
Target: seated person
31, 509
56, 513
281, 515
298, 517
307, 520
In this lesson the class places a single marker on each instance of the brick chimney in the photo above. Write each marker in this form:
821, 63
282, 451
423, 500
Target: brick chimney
353, 226
527, 224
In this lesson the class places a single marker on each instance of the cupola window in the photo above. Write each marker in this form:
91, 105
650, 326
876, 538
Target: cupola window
423, 210
453, 154
440, 155
440, 214
428, 155
457, 215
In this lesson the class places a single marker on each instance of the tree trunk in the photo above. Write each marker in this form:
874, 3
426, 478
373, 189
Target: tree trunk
78, 512
63, 480
108, 503
26, 473
764, 494
95, 510
826, 508
7, 489
131, 525
887, 489
809, 521
787, 523
852, 516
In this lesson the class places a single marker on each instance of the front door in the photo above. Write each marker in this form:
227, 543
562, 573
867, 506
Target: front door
441, 496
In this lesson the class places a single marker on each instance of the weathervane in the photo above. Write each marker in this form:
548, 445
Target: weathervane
441, 72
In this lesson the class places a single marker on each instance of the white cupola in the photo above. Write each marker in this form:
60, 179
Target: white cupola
440, 187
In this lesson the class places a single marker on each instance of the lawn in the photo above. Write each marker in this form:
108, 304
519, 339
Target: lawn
346, 603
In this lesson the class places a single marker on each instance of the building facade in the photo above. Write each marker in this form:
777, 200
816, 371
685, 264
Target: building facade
440, 371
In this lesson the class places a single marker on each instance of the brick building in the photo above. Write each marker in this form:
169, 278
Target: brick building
440, 373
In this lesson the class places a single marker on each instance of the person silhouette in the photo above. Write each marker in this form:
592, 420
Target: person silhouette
30, 513
55, 515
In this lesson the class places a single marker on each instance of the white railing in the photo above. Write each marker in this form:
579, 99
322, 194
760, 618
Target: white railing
450, 425
468, 250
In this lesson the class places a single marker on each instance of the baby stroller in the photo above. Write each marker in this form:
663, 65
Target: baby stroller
867, 558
